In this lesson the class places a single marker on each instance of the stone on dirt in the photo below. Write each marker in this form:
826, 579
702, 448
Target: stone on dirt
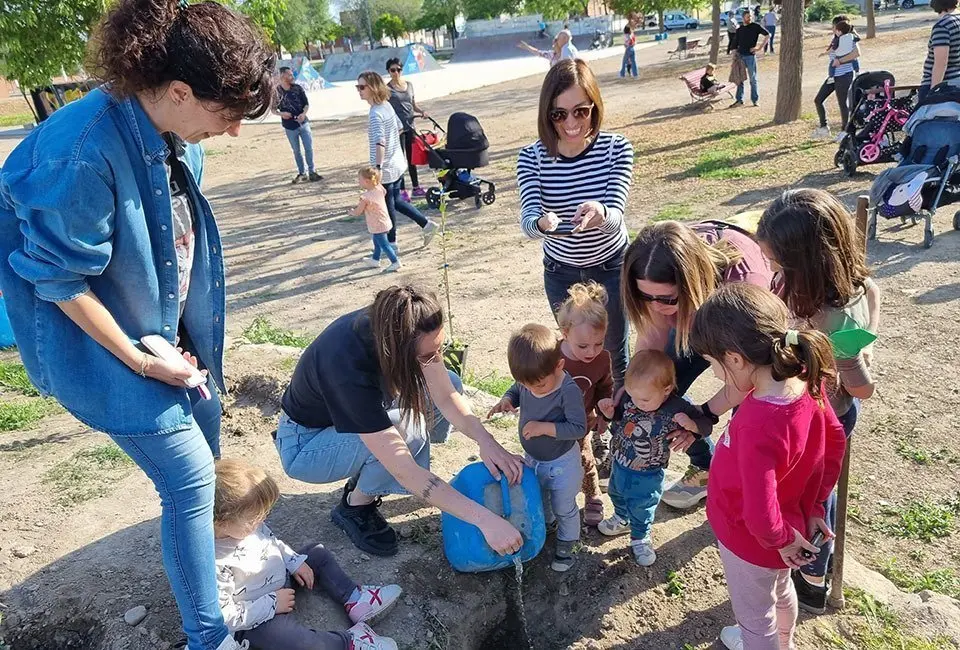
135, 615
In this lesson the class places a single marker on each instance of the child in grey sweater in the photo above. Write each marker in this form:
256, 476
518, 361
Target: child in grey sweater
552, 419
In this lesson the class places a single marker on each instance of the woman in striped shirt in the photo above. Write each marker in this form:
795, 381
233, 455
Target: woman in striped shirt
573, 185
386, 153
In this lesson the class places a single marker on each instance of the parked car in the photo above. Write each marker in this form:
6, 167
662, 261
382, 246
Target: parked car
737, 15
910, 4
680, 20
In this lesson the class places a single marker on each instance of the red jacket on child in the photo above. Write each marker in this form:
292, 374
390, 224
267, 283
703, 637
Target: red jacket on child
773, 468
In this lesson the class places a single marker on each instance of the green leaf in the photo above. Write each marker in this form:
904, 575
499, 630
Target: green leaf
847, 344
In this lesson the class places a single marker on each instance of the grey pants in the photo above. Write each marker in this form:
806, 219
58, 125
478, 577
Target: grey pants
560, 481
282, 632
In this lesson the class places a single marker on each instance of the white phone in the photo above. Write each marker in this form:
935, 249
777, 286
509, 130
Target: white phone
160, 347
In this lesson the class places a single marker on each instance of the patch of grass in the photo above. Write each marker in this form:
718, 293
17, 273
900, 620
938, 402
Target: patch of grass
943, 581
719, 166
908, 449
493, 382
675, 584
16, 119
21, 415
262, 331
14, 377
923, 520
673, 212
88, 474
881, 629
287, 364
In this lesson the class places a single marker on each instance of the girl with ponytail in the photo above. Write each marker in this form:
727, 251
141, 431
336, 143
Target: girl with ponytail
776, 463
106, 237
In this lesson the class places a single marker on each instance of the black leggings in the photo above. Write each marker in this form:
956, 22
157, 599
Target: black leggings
842, 86
406, 137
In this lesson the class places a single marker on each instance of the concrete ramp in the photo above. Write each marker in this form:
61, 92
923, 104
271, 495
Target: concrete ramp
347, 67
504, 46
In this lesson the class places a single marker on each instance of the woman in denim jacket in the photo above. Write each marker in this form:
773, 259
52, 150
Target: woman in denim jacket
105, 237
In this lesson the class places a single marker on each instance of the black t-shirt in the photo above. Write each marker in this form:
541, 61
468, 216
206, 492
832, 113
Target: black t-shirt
338, 382
747, 37
291, 101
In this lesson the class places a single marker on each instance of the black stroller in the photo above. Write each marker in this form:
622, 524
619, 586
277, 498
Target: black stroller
928, 175
874, 130
465, 150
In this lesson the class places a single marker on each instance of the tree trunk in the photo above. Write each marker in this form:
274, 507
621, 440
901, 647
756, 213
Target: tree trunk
789, 88
660, 20
871, 20
715, 43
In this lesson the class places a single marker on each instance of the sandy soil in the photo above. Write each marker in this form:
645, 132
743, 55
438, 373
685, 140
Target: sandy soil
293, 256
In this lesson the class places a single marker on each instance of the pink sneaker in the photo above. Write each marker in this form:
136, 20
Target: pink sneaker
405, 195
419, 192
369, 601
363, 638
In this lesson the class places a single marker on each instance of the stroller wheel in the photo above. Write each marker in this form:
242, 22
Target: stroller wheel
838, 157
928, 238
488, 198
872, 227
849, 163
477, 201
433, 197
956, 221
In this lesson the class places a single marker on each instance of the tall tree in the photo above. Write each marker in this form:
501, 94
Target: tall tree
390, 26
556, 9
439, 14
658, 7
490, 8
268, 14
715, 42
871, 20
42, 39
789, 87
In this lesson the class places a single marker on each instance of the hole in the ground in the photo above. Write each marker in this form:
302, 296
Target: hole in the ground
80, 633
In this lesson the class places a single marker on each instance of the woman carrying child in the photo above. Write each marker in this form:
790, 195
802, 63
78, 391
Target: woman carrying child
844, 53
254, 571
669, 270
810, 240
777, 462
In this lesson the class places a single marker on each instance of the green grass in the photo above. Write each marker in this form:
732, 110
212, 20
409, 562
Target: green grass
880, 628
88, 474
14, 377
923, 520
21, 415
908, 449
287, 364
675, 584
493, 382
673, 212
262, 331
17, 119
943, 581
726, 147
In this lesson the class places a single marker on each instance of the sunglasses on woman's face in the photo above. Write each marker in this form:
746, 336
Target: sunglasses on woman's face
361, 86
395, 69
663, 300
579, 113
433, 357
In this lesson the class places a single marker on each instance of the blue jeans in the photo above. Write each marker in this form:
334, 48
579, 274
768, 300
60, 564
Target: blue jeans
295, 136
396, 204
560, 481
688, 368
629, 62
381, 245
558, 278
818, 567
635, 496
750, 61
180, 464
768, 46
327, 455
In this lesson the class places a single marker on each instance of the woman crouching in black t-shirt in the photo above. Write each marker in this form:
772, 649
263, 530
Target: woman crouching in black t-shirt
341, 419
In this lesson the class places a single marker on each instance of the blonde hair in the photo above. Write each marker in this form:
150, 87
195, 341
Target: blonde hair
243, 492
711, 67
533, 353
378, 89
371, 173
652, 366
586, 303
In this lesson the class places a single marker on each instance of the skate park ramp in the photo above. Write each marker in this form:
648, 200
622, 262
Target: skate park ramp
504, 46
348, 66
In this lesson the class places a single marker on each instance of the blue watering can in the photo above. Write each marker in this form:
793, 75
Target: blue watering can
520, 504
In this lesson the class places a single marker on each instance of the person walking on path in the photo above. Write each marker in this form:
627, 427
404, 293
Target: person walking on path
943, 51
629, 53
843, 58
404, 104
770, 24
292, 107
386, 153
106, 237
732, 27
573, 184
359, 406
748, 44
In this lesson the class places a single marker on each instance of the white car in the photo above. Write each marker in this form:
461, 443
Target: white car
679, 20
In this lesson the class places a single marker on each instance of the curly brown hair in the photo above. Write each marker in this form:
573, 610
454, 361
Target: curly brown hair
146, 44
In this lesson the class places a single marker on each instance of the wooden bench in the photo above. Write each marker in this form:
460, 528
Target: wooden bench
684, 47
694, 47
697, 96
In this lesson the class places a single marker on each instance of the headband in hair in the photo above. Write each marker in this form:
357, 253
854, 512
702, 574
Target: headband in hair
791, 337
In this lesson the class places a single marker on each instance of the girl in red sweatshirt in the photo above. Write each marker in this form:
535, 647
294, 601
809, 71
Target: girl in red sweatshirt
776, 463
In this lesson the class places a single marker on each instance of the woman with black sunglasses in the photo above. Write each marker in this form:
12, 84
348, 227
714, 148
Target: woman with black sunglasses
405, 106
669, 270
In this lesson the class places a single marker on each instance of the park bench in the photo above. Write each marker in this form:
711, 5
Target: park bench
694, 47
692, 81
710, 41
680, 49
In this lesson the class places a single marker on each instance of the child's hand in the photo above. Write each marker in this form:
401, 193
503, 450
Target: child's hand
304, 576
791, 553
535, 429
503, 406
607, 407
285, 601
867, 353
818, 523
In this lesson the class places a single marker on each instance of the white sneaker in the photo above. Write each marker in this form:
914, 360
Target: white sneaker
643, 551
231, 644
429, 231
393, 268
369, 261
613, 526
821, 133
370, 601
363, 638
730, 637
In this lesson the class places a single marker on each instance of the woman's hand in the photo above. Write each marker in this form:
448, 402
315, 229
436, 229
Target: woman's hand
503, 406
589, 215
681, 439
791, 553
174, 374
501, 536
548, 222
497, 459
285, 115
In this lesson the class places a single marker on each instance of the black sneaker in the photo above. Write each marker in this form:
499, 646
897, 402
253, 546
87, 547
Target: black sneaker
735, 104
365, 526
299, 178
811, 598
314, 176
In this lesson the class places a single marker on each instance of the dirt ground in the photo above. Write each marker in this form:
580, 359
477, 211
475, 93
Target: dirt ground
70, 568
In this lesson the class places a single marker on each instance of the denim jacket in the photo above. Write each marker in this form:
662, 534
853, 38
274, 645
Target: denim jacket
85, 206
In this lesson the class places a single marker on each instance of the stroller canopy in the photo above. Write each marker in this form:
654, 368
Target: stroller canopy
868, 80
464, 133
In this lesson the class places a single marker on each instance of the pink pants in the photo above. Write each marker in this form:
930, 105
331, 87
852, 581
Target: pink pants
764, 602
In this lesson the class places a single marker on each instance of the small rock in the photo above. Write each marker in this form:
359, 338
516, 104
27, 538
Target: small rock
564, 589
406, 531
593, 644
429, 634
364, 557
926, 595
408, 601
23, 551
135, 615
434, 612
473, 459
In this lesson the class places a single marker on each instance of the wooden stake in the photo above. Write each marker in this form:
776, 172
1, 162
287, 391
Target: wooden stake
835, 598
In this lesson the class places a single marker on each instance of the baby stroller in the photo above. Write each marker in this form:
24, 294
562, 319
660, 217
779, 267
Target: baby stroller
928, 175
465, 149
873, 134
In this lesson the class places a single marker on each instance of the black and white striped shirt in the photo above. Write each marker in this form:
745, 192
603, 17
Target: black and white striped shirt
384, 129
602, 173
945, 33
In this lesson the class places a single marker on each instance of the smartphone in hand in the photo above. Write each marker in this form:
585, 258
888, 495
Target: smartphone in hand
160, 347
816, 540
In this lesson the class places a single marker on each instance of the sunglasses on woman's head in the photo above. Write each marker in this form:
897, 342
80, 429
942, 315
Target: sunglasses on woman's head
580, 113
663, 300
